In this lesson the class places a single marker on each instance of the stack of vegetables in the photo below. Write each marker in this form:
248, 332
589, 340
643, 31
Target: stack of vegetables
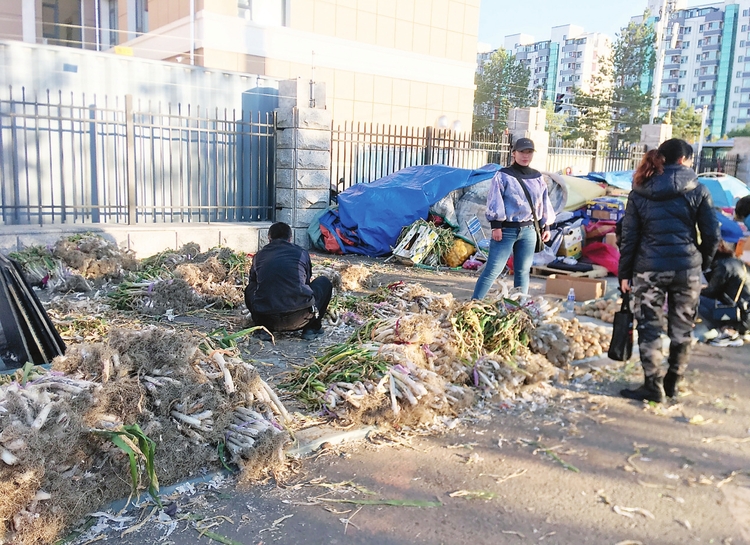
155, 405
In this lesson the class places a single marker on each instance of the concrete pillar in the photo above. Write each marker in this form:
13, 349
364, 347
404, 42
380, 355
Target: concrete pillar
741, 148
653, 135
303, 158
530, 123
28, 21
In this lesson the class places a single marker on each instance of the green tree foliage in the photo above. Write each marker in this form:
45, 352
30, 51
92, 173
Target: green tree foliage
616, 100
593, 110
557, 125
633, 53
502, 84
686, 122
633, 56
742, 131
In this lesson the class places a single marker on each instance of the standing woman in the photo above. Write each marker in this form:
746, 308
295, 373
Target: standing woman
669, 234
512, 220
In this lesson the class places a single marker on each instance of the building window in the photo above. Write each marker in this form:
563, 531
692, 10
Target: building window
141, 16
735, 104
266, 12
734, 120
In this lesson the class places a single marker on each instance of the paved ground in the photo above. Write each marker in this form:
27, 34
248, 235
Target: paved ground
575, 464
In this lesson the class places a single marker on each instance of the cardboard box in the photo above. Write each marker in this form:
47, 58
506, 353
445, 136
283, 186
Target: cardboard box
585, 288
572, 243
605, 208
611, 239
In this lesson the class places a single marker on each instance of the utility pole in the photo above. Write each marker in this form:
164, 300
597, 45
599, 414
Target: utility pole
660, 47
704, 113
539, 98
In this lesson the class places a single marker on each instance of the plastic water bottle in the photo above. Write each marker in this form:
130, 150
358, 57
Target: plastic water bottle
570, 303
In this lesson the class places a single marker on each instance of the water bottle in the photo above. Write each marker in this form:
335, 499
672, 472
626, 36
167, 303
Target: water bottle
570, 303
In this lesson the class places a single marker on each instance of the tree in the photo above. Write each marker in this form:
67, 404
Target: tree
686, 122
502, 84
633, 54
593, 110
557, 125
633, 57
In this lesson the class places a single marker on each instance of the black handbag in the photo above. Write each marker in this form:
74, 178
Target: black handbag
539, 246
621, 346
734, 312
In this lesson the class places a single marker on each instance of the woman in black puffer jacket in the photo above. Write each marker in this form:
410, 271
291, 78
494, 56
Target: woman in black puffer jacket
669, 235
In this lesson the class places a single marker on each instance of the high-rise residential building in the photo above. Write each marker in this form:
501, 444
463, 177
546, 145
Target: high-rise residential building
705, 53
570, 59
581, 58
406, 62
698, 59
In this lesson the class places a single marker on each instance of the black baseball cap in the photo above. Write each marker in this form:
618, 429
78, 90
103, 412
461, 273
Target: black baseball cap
523, 144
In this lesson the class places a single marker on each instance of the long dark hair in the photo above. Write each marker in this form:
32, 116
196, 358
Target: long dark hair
668, 153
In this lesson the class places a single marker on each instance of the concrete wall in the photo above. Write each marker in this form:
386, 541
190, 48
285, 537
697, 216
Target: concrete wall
144, 240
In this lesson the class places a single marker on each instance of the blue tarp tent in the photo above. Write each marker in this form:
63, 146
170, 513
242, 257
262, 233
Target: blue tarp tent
371, 216
622, 179
725, 190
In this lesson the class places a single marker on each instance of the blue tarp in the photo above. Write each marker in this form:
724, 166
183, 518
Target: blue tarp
371, 216
725, 190
622, 179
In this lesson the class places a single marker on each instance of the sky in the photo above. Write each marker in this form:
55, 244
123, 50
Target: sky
498, 18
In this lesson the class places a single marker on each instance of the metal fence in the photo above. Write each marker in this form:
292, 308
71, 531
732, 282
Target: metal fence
73, 160
582, 158
718, 161
364, 152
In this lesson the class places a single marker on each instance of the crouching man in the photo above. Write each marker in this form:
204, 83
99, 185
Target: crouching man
280, 294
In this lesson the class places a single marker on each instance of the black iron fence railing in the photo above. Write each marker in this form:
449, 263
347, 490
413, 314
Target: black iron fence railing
83, 160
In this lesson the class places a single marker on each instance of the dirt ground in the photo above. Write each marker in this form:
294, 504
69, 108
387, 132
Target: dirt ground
572, 464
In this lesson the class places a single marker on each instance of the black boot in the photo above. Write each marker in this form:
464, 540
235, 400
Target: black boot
671, 382
678, 361
652, 390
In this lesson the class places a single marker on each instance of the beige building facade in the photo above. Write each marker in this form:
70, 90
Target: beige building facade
398, 62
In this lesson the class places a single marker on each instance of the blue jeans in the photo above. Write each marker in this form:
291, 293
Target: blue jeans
520, 241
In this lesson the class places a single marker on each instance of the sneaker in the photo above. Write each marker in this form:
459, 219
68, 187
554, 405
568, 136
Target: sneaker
727, 342
310, 334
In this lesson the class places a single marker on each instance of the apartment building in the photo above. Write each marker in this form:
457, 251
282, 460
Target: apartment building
570, 59
402, 62
581, 58
698, 62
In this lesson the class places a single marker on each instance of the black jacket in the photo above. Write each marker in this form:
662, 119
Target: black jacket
280, 279
669, 225
726, 277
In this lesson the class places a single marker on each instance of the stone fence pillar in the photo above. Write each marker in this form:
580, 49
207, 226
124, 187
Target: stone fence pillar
303, 158
530, 123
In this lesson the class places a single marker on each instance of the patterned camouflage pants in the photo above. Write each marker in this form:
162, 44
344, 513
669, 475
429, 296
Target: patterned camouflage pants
681, 291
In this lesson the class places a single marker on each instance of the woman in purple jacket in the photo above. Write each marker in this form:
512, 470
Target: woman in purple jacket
512, 220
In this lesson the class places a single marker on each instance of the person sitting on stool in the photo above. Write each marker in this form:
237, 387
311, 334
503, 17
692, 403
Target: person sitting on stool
280, 294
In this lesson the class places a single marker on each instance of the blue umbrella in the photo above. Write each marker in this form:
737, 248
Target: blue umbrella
725, 190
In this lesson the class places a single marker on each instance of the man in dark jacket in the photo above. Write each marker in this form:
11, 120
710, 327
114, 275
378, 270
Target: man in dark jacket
280, 294
669, 234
